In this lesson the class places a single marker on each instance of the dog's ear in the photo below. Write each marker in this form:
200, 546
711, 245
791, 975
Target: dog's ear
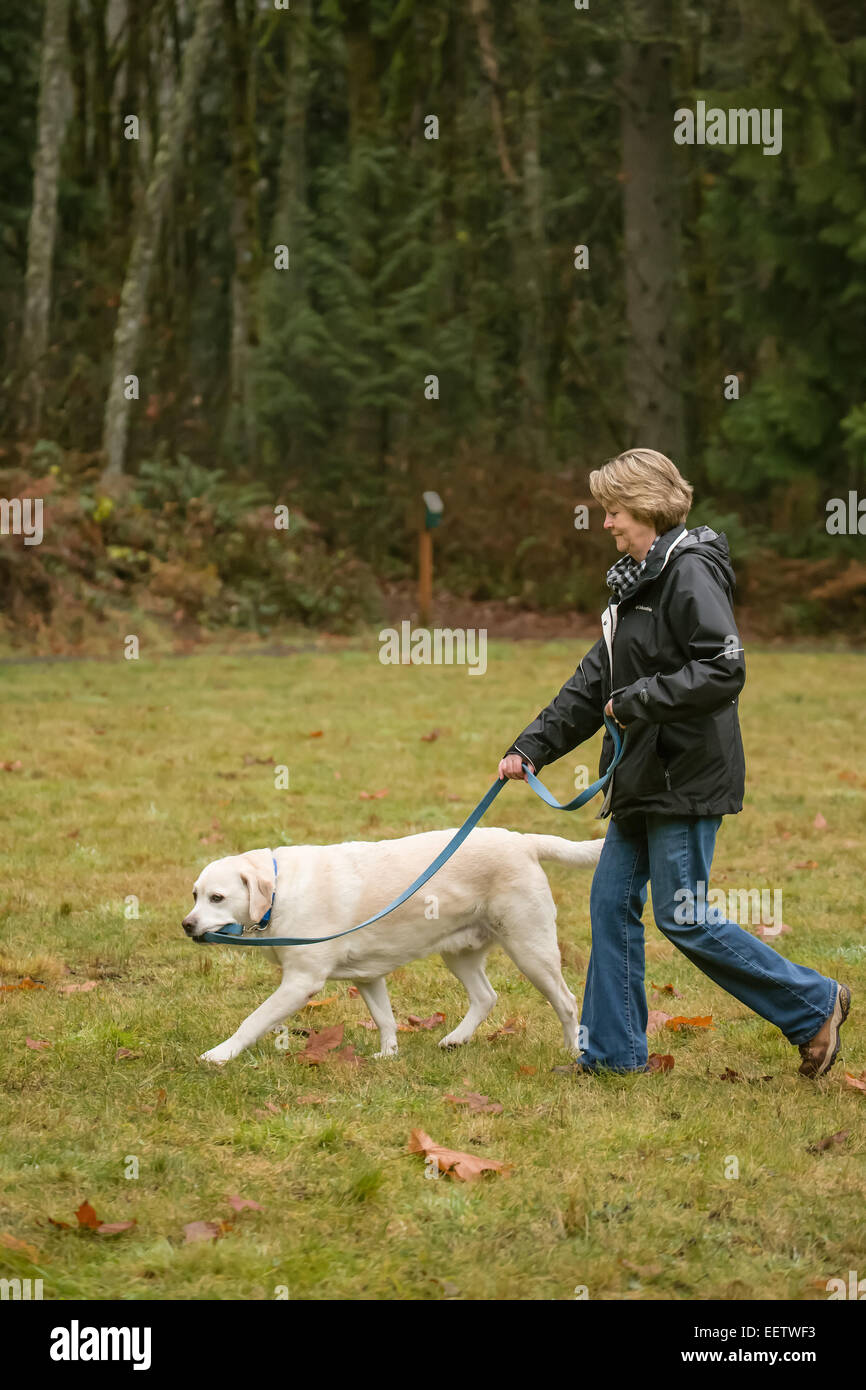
261, 890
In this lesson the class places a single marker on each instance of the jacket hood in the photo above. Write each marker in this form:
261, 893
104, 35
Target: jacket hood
712, 548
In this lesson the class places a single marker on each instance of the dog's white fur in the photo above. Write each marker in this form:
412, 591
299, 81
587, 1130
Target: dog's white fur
493, 891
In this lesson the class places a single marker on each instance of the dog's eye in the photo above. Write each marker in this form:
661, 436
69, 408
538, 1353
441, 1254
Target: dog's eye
216, 897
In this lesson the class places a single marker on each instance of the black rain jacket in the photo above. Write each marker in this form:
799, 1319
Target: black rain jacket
671, 658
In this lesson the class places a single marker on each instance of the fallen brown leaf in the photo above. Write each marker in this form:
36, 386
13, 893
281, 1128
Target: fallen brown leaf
243, 1203
413, 1023
21, 1246
26, 983
86, 1216
509, 1027
666, 989
204, 1230
431, 737
461, 1165
354, 991
678, 1023
658, 1061
373, 796
126, 1054
37, 1044
317, 733
320, 1003
476, 1103
730, 1075
656, 1020
320, 1044
527, 1071
804, 864
858, 1082
78, 987
819, 822
823, 1144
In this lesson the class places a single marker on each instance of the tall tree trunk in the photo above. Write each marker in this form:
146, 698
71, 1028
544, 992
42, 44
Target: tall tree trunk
133, 299
524, 211
290, 214
239, 19
651, 216
43, 217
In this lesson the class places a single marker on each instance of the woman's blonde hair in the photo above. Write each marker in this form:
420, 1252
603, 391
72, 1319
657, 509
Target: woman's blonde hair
645, 483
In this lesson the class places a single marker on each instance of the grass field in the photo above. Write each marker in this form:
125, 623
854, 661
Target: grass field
135, 774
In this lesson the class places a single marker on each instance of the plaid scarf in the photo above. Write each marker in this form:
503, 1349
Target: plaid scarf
625, 575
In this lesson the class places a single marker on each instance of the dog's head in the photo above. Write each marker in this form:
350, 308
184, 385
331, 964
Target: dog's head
236, 889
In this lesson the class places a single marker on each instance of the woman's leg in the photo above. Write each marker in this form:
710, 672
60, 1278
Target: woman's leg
614, 1017
793, 997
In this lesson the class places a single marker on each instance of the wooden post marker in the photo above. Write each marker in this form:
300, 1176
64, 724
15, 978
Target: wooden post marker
433, 508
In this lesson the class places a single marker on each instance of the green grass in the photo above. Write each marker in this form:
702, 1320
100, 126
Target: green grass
617, 1184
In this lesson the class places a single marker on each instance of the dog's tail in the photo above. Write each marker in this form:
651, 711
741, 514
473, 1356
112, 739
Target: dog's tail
580, 854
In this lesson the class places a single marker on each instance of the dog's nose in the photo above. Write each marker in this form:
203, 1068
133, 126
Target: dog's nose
187, 926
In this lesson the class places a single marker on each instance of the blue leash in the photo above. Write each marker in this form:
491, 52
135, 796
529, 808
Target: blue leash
230, 934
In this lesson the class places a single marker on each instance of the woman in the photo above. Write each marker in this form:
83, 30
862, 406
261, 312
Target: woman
668, 668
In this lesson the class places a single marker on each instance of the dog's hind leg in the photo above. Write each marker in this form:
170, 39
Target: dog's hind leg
290, 996
468, 966
534, 949
375, 996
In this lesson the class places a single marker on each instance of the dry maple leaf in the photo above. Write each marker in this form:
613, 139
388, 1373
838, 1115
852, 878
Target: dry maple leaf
320, 1003
320, 1044
126, 1054
476, 1103
413, 1023
656, 1019
658, 1061
86, 1216
21, 1246
37, 1044
666, 989
461, 1165
676, 1024
858, 1082
509, 1027
348, 1055
243, 1203
26, 983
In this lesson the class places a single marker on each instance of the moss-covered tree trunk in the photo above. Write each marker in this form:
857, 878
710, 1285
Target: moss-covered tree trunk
139, 270
43, 216
651, 222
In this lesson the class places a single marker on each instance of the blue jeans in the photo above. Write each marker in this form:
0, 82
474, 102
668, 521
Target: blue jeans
676, 854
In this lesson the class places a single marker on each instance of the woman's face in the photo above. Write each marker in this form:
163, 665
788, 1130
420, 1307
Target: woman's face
630, 534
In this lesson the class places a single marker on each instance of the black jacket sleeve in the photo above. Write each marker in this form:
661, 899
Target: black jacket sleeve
572, 716
700, 616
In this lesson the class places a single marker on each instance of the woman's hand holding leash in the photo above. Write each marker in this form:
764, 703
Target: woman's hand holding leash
512, 766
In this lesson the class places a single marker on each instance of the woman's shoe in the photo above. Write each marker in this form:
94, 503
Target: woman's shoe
820, 1052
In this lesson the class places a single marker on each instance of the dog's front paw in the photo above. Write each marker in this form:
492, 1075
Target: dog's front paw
218, 1055
386, 1052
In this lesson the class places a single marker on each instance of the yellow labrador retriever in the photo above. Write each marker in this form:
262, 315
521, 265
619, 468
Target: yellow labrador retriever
493, 891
